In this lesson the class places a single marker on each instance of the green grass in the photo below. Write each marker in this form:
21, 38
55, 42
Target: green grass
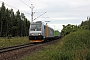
75, 46
5, 42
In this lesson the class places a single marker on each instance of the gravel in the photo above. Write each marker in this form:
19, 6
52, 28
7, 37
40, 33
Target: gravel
17, 54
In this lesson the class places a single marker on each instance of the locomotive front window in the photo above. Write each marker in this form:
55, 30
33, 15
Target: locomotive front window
35, 27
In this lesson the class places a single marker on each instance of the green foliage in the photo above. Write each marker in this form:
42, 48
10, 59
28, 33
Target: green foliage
85, 24
13, 24
74, 46
68, 29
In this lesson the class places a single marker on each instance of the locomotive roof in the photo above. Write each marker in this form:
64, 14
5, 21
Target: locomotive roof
37, 22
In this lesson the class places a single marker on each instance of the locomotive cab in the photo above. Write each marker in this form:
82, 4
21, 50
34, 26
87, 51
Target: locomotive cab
36, 32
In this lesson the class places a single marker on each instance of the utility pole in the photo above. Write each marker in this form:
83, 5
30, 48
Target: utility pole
47, 22
32, 12
31, 9
54, 27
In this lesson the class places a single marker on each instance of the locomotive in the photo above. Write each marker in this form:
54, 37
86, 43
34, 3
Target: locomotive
38, 32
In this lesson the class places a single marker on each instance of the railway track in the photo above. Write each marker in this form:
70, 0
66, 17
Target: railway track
7, 49
11, 48
16, 52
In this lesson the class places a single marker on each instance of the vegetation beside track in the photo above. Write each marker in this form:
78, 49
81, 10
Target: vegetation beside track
74, 46
5, 42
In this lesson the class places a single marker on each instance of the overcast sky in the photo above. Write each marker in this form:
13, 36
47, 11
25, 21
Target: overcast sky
60, 12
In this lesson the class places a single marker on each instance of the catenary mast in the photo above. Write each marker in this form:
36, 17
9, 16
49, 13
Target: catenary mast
32, 12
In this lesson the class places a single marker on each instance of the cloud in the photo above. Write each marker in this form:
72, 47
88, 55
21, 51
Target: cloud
59, 11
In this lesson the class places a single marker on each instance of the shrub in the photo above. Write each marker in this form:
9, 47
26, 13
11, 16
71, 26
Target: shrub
74, 46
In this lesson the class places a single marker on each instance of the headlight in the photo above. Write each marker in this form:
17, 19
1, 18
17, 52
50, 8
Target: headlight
32, 34
39, 34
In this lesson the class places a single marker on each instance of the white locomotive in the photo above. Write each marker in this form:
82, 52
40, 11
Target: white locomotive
39, 32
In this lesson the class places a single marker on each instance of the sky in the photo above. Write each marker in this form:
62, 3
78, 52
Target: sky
58, 12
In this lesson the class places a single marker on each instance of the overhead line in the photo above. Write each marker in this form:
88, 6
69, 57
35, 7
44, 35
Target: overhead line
14, 7
25, 3
39, 16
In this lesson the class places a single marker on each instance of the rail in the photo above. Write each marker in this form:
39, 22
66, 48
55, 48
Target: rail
7, 49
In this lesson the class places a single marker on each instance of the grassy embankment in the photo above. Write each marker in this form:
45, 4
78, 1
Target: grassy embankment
4, 42
75, 46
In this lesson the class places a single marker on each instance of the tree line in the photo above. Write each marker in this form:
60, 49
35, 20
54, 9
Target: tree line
85, 25
13, 24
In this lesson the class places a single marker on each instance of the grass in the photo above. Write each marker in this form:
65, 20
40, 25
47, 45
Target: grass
75, 46
5, 42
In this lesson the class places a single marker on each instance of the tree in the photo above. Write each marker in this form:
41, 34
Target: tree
7, 18
2, 29
13, 24
68, 29
85, 25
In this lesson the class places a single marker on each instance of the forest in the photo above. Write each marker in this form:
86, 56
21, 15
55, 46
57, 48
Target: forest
13, 24
16, 24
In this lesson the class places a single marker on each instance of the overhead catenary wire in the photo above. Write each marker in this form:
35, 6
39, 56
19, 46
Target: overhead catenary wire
32, 13
39, 16
14, 7
25, 3
31, 10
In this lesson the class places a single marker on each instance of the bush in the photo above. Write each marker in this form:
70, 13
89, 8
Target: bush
74, 46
